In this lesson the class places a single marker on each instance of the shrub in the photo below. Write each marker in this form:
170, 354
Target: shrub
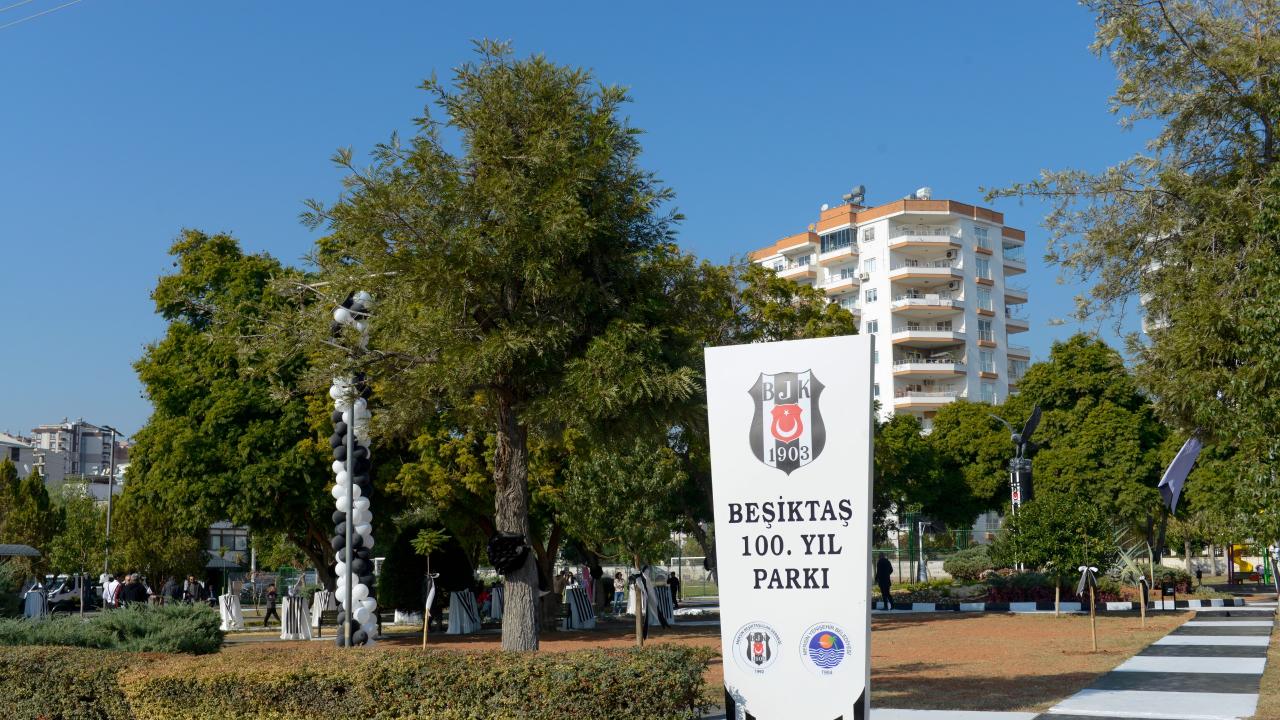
969, 564
60, 683
1019, 587
321, 682
170, 628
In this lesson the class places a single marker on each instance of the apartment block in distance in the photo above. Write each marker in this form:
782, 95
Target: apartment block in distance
929, 278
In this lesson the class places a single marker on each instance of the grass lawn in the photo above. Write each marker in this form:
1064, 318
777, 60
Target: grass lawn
943, 661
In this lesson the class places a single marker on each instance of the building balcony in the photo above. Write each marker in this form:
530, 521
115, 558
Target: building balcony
926, 334
1012, 238
839, 284
1019, 351
799, 272
1014, 263
943, 238
925, 397
840, 254
924, 270
1016, 324
923, 304
1014, 294
921, 366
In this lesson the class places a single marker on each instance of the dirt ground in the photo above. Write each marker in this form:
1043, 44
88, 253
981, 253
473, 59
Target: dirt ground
951, 661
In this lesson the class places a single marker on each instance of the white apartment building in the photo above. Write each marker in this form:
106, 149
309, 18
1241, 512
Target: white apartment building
78, 448
18, 450
928, 278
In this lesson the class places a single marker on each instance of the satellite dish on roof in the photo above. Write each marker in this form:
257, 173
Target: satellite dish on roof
825, 207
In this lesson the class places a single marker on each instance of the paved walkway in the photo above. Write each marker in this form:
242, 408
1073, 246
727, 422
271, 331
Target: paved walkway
1207, 669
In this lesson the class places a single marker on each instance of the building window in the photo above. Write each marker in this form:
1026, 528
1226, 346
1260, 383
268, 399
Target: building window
847, 272
987, 360
1017, 368
984, 331
869, 265
873, 327
875, 390
875, 357
802, 260
871, 295
836, 240
984, 298
868, 234
779, 266
989, 393
983, 240
983, 266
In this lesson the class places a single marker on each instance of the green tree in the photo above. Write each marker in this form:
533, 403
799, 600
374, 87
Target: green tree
8, 491
145, 539
624, 498
508, 275
1190, 225
910, 476
79, 546
1056, 534
222, 443
975, 449
33, 520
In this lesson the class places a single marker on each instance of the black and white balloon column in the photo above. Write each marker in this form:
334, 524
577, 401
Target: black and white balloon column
353, 530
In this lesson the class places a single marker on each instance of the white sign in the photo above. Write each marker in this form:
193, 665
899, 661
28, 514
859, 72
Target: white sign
791, 475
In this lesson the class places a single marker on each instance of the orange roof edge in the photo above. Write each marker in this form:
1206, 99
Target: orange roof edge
1014, 233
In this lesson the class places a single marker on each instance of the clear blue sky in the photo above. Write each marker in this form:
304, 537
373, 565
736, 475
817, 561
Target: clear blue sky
124, 122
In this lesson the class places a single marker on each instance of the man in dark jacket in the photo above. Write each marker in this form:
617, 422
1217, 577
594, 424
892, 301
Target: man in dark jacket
133, 592
271, 605
884, 577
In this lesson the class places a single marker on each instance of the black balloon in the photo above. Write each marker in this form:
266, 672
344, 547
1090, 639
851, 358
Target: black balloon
359, 637
351, 299
336, 416
340, 428
338, 542
363, 554
340, 453
367, 581
361, 464
339, 517
336, 440
360, 452
335, 329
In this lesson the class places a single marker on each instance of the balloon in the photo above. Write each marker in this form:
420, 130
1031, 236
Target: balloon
339, 492
341, 571
346, 416
361, 517
370, 603
359, 592
342, 315
363, 297
362, 615
355, 491
342, 478
368, 541
359, 637
364, 529
339, 516
335, 392
338, 466
361, 326
361, 503
362, 406
342, 504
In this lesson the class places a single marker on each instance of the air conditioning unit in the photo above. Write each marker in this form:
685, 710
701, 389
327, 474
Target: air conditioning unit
951, 254
953, 285
864, 276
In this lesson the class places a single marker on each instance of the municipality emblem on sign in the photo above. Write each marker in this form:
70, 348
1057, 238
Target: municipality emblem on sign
824, 647
756, 646
787, 431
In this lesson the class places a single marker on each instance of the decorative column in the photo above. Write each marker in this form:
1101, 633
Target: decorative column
353, 530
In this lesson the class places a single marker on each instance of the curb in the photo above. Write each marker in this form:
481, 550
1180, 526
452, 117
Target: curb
1017, 607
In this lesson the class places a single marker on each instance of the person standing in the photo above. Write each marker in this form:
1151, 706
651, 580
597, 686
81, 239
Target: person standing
109, 591
190, 590
884, 578
619, 593
133, 592
673, 582
271, 605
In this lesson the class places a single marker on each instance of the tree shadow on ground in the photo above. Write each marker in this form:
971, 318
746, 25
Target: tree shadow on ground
905, 686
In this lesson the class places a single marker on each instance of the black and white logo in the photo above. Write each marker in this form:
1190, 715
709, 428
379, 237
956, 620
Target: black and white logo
787, 430
756, 646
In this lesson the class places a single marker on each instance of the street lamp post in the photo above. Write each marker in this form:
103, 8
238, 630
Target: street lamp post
111, 491
1020, 489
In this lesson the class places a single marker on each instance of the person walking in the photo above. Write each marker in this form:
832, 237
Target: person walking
168, 589
884, 578
271, 605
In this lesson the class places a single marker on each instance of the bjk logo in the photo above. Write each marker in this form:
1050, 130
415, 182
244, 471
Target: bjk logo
787, 431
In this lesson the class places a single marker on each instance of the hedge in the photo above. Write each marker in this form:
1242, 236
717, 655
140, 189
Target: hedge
169, 628
320, 682
968, 565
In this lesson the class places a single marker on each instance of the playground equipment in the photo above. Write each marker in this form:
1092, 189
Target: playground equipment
1239, 569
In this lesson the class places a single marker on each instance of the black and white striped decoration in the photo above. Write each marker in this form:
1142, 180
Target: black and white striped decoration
581, 615
295, 624
1047, 606
464, 618
496, 596
352, 466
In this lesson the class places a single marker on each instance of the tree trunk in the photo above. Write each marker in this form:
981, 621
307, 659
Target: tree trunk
1057, 599
316, 549
700, 534
1186, 550
1213, 560
511, 513
641, 610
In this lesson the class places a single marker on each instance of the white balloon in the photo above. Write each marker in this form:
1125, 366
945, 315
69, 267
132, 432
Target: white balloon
362, 615
336, 392
362, 517
368, 542
342, 478
346, 415
342, 315
343, 504
364, 530
356, 491
370, 603
361, 326
359, 592
338, 466
339, 492
361, 405
361, 503
341, 571
337, 557
363, 297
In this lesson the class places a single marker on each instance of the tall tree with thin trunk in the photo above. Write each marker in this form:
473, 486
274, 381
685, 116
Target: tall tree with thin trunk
535, 250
